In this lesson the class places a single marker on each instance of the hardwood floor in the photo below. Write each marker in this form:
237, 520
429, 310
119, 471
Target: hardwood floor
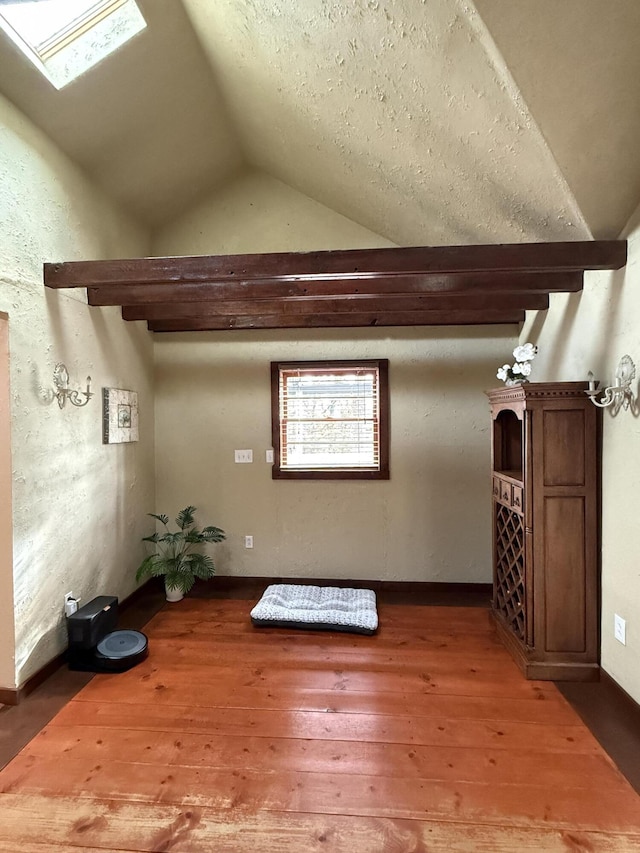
229, 739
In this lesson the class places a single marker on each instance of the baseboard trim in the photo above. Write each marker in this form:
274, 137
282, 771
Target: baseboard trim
626, 703
613, 717
8, 696
15, 696
389, 592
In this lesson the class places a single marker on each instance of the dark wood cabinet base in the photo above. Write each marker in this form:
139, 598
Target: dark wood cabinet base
543, 670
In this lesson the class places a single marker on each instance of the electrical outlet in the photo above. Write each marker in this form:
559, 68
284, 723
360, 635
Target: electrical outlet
70, 604
248, 541
620, 629
244, 455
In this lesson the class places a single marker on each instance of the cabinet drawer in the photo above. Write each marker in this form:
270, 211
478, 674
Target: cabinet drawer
496, 488
507, 493
516, 497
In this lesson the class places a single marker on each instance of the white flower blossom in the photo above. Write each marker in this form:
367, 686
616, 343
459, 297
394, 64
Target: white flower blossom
516, 373
526, 352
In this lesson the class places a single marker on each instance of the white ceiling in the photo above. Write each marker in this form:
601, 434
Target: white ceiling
426, 121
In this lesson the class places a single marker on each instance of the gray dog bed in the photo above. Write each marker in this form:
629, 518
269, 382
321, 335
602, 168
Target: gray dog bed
321, 608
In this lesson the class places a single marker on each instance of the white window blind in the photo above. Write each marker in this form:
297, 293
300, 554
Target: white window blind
329, 418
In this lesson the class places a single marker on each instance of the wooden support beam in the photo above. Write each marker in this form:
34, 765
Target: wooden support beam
347, 304
425, 285
430, 285
341, 264
344, 320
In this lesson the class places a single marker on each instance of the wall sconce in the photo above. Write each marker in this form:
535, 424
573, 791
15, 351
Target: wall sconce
63, 392
619, 395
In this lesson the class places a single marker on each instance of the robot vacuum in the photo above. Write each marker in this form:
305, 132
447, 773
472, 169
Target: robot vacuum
95, 645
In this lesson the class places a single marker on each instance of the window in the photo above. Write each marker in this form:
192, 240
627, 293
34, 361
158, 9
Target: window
64, 38
330, 419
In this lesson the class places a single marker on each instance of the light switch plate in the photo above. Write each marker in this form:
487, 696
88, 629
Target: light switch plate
620, 629
244, 455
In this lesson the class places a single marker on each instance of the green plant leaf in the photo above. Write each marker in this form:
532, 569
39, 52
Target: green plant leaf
185, 517
173, 538
152, 538
194, 535
213, 534
163, 518
151, 567
180, 580
201, 565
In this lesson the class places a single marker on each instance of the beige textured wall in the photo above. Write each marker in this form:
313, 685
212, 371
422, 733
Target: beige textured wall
78, 506
7, 633
593, 330
430, 521
258, 213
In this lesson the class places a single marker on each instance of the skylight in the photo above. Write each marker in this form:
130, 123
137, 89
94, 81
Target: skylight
64, 38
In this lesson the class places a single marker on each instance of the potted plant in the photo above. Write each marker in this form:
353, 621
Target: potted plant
176, 557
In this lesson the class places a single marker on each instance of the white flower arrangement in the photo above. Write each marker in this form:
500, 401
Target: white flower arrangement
514, 374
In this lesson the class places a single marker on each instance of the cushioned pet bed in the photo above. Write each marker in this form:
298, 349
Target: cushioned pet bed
322, 608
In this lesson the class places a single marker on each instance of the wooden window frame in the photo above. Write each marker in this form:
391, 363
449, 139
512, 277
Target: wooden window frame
382, 472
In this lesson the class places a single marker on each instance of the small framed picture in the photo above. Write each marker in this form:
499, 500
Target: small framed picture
119, 416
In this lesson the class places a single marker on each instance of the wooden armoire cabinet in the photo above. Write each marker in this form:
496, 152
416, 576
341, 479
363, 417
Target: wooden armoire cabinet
546, 521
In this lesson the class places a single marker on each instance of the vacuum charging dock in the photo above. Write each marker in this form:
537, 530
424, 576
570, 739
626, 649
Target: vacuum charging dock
95, 645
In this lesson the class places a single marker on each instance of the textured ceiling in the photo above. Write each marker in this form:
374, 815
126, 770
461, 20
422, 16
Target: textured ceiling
396, 115
577, 64
426, 121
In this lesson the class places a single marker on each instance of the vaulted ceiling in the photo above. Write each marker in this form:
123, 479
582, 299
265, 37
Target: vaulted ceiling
426, 121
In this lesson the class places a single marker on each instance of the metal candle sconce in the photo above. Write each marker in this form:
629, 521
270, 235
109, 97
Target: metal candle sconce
619, 395
62, 391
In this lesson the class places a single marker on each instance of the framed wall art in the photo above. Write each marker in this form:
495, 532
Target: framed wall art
119, 416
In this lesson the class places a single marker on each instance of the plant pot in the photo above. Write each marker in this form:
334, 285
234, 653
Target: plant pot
173, 593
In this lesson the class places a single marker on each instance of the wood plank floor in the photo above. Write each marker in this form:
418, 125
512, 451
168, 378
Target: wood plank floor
229, 738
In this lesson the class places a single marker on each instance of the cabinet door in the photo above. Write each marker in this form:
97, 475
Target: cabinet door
563, 496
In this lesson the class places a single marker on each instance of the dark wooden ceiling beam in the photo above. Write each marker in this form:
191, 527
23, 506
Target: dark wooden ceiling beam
432, 285
318, 321
348, 304
350, 263
438, 285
